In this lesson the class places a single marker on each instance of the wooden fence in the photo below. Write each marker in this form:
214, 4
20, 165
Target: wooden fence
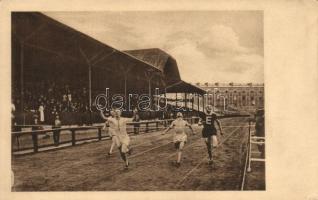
144, 127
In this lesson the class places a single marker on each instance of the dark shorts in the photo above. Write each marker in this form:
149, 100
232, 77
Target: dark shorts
177, 144
208, 132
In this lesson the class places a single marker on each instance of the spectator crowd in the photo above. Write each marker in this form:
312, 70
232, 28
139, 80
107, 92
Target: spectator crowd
47, 99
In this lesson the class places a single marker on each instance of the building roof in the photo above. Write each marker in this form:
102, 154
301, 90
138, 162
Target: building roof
184, 87
160, 60
49, 45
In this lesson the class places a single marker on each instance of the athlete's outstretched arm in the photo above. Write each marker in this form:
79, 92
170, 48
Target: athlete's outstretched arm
129, 119
102, 115
190, 127
219, 124
200, 122
168, 129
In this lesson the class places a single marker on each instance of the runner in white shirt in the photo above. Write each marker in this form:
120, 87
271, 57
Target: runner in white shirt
119, 133
111, 132
180, 136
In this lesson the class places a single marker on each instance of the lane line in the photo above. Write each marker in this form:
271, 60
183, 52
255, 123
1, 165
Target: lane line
195, 167
245, 167
173, 154
118, 171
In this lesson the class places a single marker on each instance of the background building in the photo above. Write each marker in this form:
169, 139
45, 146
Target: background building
234, 95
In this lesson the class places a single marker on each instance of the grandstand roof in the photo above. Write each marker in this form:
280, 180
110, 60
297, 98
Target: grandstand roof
184, 87
52, 46
160, 60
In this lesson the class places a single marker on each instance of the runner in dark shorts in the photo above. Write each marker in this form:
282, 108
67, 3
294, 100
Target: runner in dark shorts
209, 132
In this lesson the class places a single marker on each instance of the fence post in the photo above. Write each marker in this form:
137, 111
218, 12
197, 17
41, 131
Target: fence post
56, 136
147, 128
157, 126
18, 141
35, 142
249, 147
99, 133
73, 137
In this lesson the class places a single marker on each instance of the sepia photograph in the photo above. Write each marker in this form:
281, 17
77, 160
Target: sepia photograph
159, 99
138, 101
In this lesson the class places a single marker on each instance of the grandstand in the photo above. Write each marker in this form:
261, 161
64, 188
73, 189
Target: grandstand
64, 70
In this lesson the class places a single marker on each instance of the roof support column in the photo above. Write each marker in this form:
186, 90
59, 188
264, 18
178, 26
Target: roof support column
203, 100
186, 102
22, 79
89, 79
90, 86
193, 102
198, 102
125, 71
176, 99
149, 76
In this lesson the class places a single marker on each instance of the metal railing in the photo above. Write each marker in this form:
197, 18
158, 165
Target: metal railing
258, 141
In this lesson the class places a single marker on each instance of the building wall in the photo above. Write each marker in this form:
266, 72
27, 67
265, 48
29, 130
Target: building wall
237, 95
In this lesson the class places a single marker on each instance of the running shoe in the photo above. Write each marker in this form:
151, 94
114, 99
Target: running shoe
126, 166
210, 162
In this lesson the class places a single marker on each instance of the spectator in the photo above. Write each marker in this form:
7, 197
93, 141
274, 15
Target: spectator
171, 116
260, 130
35, 119
41, 113
136, 118
56, 133
64, 98
53, 115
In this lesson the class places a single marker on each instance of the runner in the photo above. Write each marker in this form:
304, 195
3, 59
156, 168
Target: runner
121, 138
111, 132
180, 136
208, 119
136, 118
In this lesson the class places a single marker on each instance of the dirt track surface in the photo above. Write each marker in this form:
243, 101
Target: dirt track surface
87, 168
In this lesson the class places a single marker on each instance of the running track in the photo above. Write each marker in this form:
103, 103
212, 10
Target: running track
87, 168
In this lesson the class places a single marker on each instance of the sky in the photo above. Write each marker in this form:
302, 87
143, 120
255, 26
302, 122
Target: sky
209, 46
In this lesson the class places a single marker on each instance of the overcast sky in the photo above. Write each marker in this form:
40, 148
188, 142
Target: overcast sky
209, 46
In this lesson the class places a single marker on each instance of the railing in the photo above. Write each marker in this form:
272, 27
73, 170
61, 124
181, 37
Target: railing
258, 141
144, 127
